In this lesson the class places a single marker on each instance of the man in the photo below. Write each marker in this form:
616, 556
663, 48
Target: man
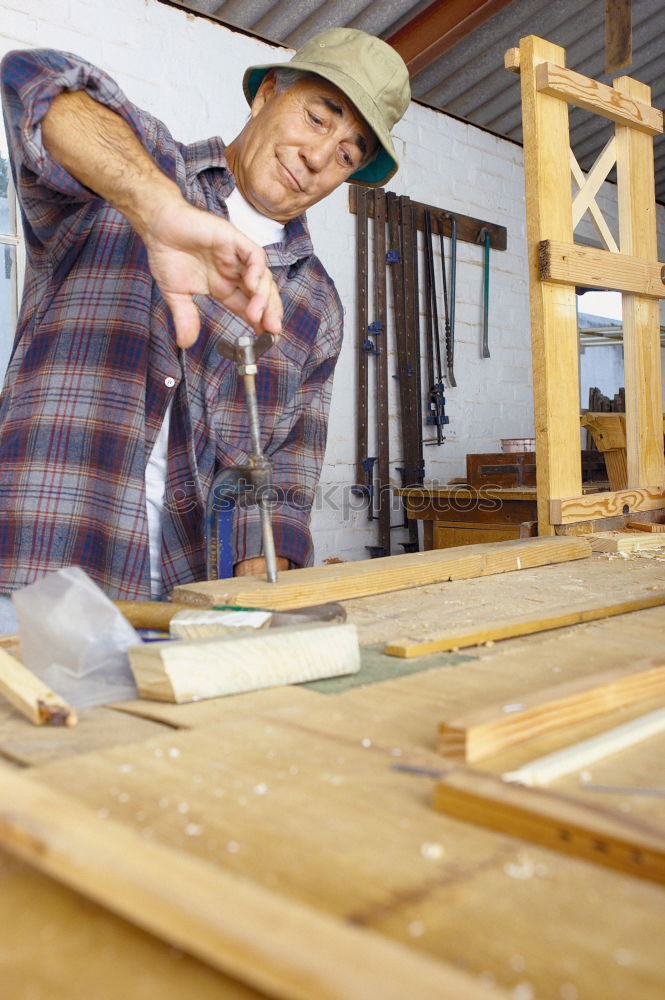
115, 412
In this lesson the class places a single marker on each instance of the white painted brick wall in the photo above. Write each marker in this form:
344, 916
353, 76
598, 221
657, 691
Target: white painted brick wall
188, 71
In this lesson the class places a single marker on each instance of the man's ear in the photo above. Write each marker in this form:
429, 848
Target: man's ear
266, 91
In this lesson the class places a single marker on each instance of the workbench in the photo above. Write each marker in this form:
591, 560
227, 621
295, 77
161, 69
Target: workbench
297, 789
465, 515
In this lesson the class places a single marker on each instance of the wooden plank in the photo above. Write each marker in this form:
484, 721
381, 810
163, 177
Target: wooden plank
553, 307
488, 730
342, 581
468, 227
641, 316
97, 728
275, 944
585, 197
572, 264
215, 710
583, 92
189, 670
59, 946
618, 35
580, 755
555, 821
527, 625
27, 693
596, 505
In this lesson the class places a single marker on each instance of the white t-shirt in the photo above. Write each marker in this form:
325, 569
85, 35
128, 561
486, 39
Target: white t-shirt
264, 232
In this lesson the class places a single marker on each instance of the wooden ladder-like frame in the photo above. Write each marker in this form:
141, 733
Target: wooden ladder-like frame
557, 265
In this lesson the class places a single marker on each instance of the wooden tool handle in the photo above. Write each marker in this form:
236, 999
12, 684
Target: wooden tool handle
150, 614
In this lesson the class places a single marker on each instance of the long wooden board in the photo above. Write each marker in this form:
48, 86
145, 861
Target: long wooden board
557, 81
527, 625
555, 821
341, 581
478, 734
275, 944
573, 758
572, 264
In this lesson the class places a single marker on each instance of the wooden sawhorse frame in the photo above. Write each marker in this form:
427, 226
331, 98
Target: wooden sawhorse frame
557, 265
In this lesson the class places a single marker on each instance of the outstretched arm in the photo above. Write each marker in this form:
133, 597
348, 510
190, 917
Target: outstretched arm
189, 251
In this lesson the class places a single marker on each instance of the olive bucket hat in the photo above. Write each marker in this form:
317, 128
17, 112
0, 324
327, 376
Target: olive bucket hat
369, 72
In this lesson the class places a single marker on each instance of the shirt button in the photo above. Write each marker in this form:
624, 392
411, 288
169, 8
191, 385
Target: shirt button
169, 382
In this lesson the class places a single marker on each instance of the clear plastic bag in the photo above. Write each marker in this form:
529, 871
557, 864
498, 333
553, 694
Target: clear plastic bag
74, 638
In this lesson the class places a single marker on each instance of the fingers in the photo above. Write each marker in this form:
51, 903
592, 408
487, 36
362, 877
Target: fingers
185, 319
264, 309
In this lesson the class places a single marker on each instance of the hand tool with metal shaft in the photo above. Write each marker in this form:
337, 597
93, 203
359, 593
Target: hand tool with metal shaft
449, 305
247, 483
484, 238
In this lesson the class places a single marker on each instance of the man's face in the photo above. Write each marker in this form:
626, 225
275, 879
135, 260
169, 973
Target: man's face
297, 147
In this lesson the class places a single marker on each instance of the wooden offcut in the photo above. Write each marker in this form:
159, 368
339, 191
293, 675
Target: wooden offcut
264, 939
627, 541
31, 696
182, 670
478, 734
302, 587
526, 625
580, 755
556, 821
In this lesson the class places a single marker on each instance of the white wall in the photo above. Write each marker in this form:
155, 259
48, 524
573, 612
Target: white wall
188, 71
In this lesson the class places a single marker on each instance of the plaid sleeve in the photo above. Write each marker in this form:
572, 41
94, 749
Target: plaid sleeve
297, 450
30, 80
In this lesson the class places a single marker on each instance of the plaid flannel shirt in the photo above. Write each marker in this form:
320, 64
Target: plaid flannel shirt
95, 364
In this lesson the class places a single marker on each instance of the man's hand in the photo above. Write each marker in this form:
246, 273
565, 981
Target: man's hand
193, 252
190, 251
257, 566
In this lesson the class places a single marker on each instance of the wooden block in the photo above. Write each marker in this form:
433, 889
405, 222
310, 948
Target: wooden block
527, 625
275, 944
31, 696
479, 734
573, 264
649, 526
341, 581
598, 505
557, 81
625, 541
555, 821
180, 670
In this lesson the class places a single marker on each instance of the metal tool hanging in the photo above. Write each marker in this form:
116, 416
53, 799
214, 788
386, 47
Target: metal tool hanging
436, 400
449, 304
484, 238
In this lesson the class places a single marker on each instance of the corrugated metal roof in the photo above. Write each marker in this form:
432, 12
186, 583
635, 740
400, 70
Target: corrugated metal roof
469, 79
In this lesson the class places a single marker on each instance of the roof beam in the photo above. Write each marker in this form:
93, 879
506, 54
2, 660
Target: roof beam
423, 39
